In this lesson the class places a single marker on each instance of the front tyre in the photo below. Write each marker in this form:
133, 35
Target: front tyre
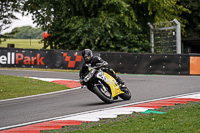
126, 95
103, 93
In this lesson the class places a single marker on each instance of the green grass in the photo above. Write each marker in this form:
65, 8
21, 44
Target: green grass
181, 119
23, 43
12, 87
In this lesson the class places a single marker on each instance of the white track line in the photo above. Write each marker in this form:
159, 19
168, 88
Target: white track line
51, 79
192, 96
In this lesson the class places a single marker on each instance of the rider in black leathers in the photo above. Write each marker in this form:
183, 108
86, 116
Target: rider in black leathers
97, 61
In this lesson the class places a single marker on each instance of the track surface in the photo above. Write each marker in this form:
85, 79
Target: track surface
43, 107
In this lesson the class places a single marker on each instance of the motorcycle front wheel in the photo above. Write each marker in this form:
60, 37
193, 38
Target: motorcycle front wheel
103, 93
126, 95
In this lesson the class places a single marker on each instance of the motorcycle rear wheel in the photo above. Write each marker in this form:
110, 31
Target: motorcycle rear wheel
104, 96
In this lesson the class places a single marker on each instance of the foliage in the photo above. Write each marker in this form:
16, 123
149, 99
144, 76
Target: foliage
27, 32
193, 26
109, 25
164, 10
7, 9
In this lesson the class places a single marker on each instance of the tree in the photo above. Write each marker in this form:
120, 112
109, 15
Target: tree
7, 9
193, 17
109, 25
27, 32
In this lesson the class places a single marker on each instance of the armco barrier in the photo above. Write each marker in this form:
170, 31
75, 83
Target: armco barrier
176, 64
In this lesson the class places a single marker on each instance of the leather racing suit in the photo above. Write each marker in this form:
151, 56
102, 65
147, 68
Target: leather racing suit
98, 61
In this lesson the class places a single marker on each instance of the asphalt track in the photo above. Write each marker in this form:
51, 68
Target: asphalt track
142, 87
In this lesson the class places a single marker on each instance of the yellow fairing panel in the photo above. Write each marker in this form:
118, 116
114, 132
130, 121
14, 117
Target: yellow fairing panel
113, 85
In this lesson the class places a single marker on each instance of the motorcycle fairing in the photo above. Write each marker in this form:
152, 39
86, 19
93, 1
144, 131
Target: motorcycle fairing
113, 85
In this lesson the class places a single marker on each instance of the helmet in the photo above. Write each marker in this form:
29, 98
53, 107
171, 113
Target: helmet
87, 55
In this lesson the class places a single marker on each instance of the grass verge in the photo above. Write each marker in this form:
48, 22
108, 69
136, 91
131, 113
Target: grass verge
178, 119
12, 87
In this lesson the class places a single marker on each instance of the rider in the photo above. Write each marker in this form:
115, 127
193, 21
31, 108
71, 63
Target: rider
97, 61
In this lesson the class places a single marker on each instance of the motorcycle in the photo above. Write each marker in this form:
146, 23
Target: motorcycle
104, 85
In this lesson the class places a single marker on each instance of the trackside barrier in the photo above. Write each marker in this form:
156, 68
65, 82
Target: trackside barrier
30, 58
175, 64
195, 65
148, 63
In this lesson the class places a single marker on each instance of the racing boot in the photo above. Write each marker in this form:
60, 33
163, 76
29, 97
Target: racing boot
120, 82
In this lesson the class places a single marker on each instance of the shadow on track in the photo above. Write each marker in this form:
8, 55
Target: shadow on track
101, 103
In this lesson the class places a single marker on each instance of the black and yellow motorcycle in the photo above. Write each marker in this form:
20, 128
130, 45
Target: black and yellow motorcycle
104, 85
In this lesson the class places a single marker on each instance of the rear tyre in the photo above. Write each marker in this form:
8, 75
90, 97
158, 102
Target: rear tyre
126, 95
103, 93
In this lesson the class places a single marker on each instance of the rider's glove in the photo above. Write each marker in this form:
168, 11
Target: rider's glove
99, 65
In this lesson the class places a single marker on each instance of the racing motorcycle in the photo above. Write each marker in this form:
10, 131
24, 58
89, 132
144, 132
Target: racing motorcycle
104, 85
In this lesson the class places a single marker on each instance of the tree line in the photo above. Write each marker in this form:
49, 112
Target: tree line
26, 32
109, 25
